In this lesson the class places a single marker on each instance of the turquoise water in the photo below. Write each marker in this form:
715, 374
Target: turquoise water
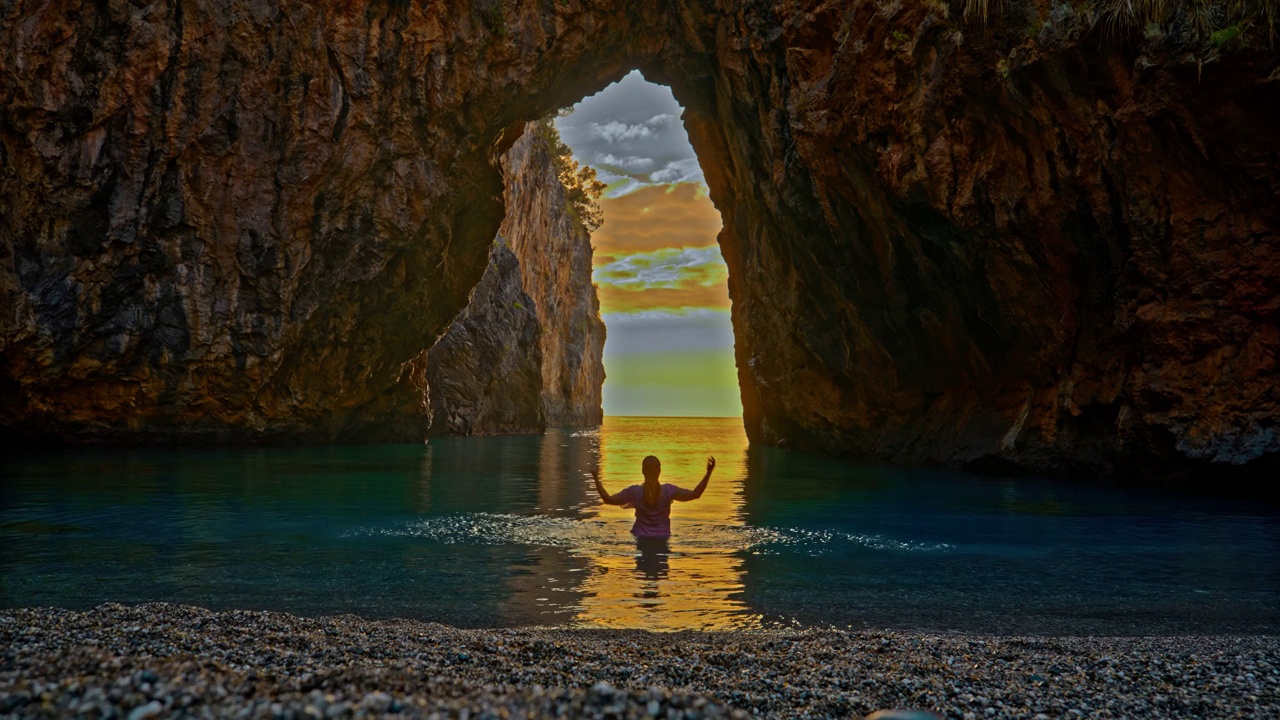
508, 531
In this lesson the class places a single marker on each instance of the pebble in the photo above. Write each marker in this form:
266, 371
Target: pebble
147, 712
147, 661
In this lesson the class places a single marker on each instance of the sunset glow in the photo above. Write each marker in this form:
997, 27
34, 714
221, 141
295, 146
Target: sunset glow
700, 583
662, 282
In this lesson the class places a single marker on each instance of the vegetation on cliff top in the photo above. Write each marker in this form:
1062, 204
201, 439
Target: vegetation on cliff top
582, 190
1213, 21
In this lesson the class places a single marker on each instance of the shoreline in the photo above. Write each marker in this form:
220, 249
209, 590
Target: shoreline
159, 659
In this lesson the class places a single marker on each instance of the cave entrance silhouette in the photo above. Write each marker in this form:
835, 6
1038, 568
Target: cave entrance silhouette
659, 272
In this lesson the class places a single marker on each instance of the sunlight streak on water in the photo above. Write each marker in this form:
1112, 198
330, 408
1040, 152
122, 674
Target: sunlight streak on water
583, 567
703, 586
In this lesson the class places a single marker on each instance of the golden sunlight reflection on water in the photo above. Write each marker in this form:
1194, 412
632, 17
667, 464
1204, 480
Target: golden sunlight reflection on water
694, 580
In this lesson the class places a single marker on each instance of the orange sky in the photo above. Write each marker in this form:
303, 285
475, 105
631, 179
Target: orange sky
662, 282
614, 299
659, 216
664, 293
640, 225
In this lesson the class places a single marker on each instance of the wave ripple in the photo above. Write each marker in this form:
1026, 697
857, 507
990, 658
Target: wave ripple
548, 531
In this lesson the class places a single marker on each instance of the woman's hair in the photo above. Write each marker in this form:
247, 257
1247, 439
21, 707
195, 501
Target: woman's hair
651, 466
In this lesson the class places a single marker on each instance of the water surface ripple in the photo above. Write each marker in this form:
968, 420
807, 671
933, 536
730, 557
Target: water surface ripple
508, 531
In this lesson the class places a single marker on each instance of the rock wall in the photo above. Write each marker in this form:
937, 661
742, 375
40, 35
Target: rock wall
555, 267
484, 376
527, 352
1025, 245
1022, 243
238, 222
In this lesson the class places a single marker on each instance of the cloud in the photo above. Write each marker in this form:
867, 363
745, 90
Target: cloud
614, 131
616, 299
631, 133
650, 332
630, 162
659, 317
665, 268
679, 171
657, 250
670, 279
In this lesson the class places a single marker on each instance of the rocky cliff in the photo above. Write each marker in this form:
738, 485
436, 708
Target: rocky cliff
1026, 242
485, 375
555, 269
527, 351
1031, 244
482, 377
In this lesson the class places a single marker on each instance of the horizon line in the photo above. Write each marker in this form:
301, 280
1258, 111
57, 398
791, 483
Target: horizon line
686, 417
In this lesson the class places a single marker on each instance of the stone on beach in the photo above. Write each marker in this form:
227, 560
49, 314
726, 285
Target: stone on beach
116, 660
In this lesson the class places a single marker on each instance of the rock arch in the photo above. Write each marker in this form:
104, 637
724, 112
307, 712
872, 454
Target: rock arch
1017, 244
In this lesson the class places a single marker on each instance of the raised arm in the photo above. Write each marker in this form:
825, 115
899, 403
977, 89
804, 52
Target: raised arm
686, 495
605, 497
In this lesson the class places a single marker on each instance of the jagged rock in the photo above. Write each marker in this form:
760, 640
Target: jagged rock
485, 375
527, 351
946, 241
1018, 246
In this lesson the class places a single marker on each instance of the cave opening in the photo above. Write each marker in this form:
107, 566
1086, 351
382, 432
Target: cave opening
657, 266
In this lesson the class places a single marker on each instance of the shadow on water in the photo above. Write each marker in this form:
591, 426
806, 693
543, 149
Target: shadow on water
508, 531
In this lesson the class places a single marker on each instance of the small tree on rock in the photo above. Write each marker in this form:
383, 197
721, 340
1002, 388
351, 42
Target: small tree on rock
582, 189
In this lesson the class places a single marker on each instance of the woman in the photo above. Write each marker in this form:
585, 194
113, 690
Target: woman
652, 501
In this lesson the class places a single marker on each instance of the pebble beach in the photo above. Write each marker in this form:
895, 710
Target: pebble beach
161, 660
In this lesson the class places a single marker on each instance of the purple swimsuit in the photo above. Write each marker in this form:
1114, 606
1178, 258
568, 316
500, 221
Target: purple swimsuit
652, 521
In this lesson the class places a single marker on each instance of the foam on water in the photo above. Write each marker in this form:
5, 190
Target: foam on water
548, 531
497, 529
771, 540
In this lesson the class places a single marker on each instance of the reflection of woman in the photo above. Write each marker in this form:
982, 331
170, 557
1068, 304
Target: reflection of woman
652, 561
651, 500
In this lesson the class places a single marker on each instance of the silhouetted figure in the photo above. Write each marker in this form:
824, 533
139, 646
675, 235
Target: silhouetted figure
651, 500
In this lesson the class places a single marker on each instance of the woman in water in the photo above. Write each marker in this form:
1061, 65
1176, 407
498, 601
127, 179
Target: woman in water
651, 500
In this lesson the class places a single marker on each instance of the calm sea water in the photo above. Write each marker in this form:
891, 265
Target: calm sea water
508, 531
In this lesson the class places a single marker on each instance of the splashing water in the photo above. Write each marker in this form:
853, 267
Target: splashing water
563, 532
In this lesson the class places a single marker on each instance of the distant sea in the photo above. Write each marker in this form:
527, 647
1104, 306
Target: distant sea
507, 530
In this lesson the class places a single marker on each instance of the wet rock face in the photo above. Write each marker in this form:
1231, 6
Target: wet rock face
945, 243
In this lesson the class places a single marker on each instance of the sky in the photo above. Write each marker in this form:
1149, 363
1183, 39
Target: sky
662, 282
